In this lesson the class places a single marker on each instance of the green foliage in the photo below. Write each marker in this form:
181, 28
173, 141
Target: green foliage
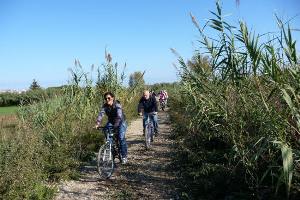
238, 100
136, 78
21, 167
30, 96
169, 87
34, 85
110, 79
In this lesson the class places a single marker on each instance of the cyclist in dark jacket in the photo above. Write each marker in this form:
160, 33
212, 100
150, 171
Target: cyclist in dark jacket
149, 105
116, 118
153, 93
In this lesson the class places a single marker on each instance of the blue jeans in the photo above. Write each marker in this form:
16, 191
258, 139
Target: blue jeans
121, 137
154, 121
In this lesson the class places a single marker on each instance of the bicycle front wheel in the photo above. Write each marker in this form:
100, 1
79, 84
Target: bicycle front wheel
105, 161
163, 105
148, 130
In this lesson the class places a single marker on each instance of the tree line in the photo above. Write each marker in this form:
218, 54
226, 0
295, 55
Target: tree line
34, 94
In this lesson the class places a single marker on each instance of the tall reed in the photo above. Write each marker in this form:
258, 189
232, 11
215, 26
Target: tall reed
240, 101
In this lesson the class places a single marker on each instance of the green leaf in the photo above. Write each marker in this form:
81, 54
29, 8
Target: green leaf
287, 162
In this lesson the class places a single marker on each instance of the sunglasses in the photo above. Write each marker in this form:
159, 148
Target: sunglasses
107, 98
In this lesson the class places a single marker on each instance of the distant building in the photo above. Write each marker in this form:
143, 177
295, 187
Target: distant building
13, 91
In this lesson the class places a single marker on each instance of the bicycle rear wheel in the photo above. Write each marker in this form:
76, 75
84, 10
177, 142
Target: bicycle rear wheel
105, 161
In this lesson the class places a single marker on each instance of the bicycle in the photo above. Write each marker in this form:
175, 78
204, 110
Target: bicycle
107, 153
149, 131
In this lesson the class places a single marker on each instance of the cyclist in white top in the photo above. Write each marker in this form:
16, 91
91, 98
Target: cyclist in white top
163, 96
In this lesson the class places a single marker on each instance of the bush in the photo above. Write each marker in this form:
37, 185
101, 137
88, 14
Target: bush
241, 115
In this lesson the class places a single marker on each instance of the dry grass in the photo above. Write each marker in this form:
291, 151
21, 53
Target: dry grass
8, 125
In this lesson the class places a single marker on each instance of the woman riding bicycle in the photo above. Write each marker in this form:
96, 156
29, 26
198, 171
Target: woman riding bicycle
116, 118
149, 105
163, 96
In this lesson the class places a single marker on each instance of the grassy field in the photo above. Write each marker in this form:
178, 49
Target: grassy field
8, 110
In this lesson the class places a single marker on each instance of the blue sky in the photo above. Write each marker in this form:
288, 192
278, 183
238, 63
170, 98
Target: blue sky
40, 39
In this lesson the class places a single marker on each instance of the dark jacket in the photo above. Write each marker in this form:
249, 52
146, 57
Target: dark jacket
114, 113
149, 105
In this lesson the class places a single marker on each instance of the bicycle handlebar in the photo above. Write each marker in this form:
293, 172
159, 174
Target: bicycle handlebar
105, 127
151, 113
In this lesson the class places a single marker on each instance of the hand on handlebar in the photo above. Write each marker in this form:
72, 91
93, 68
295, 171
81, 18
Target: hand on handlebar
153, 113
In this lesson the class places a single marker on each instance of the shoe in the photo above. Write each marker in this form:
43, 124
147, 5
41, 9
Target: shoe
124, 161
156, 133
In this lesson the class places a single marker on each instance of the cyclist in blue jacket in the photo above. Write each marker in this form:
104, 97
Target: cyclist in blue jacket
116, 118
149, 105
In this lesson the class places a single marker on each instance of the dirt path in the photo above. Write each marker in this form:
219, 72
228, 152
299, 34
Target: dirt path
147, 175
